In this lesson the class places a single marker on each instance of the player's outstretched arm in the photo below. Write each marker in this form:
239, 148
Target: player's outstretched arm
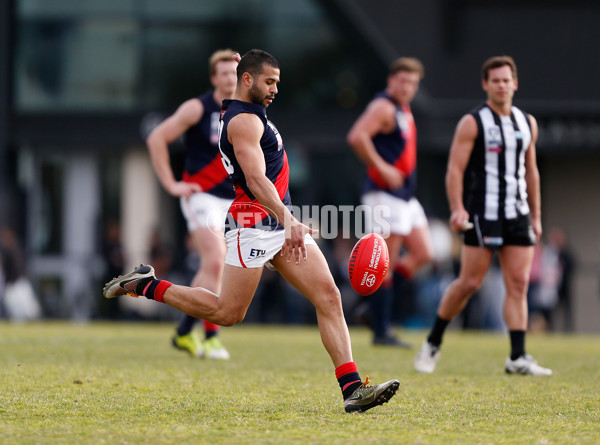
460, 153
532, 177
188, 114
377, 118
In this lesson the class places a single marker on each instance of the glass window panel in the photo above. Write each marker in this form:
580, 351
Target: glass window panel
175, 64
72, 8
72, 65
133, 55
186, 10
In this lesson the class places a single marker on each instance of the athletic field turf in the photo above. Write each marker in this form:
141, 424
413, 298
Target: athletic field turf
125, 384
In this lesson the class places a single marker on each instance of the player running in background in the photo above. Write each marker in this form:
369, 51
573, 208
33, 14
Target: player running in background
205, 190
261, 230
385, 138
493, 188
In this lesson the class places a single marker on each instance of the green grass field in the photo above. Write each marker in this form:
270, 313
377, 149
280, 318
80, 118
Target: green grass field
125, 384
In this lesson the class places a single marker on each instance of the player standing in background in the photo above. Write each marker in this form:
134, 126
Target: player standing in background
262, 231
493, 188
205, 190
385, 138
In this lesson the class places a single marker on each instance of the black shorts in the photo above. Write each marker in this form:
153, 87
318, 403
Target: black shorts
503, 232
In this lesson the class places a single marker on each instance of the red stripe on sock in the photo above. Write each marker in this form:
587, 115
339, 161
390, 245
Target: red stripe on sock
210, 327
348, 384
160, 290
344, 369
146, 288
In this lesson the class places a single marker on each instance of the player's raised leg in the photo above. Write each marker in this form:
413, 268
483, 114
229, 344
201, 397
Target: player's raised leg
313, 279
227, 309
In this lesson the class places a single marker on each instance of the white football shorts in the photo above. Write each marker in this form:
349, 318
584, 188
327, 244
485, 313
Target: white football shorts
253, 248
204, 210
392, 215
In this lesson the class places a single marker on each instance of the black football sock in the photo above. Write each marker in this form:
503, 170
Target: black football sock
141, 285
348, 378
210, 334
153, 289
186, 325
437, 332
517, 344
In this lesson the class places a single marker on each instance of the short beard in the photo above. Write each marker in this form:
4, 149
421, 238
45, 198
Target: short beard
255, 95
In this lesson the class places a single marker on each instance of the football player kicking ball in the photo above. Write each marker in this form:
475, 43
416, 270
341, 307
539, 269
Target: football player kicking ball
261, 231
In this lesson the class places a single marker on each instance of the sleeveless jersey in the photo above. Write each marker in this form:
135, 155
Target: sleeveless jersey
246, 211
399, 148
494, 182
202, 160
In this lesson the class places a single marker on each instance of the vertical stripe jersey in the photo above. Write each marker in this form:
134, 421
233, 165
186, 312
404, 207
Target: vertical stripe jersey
495, 185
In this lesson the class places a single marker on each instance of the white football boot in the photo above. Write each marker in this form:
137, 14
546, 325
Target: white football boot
525, 365
214, 349
427, 358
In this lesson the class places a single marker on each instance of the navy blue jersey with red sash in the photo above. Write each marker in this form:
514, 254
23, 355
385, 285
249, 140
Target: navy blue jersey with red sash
246, 211
202, 160
399, 148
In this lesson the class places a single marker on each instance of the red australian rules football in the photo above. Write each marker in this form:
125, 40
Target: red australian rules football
369, 263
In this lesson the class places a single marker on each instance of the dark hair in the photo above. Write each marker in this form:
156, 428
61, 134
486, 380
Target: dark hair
497, 62
408, 64
252, 62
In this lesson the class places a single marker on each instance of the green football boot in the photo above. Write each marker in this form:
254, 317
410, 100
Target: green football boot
366, 397
190, 343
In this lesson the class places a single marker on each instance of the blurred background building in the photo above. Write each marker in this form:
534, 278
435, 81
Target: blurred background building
82, 82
